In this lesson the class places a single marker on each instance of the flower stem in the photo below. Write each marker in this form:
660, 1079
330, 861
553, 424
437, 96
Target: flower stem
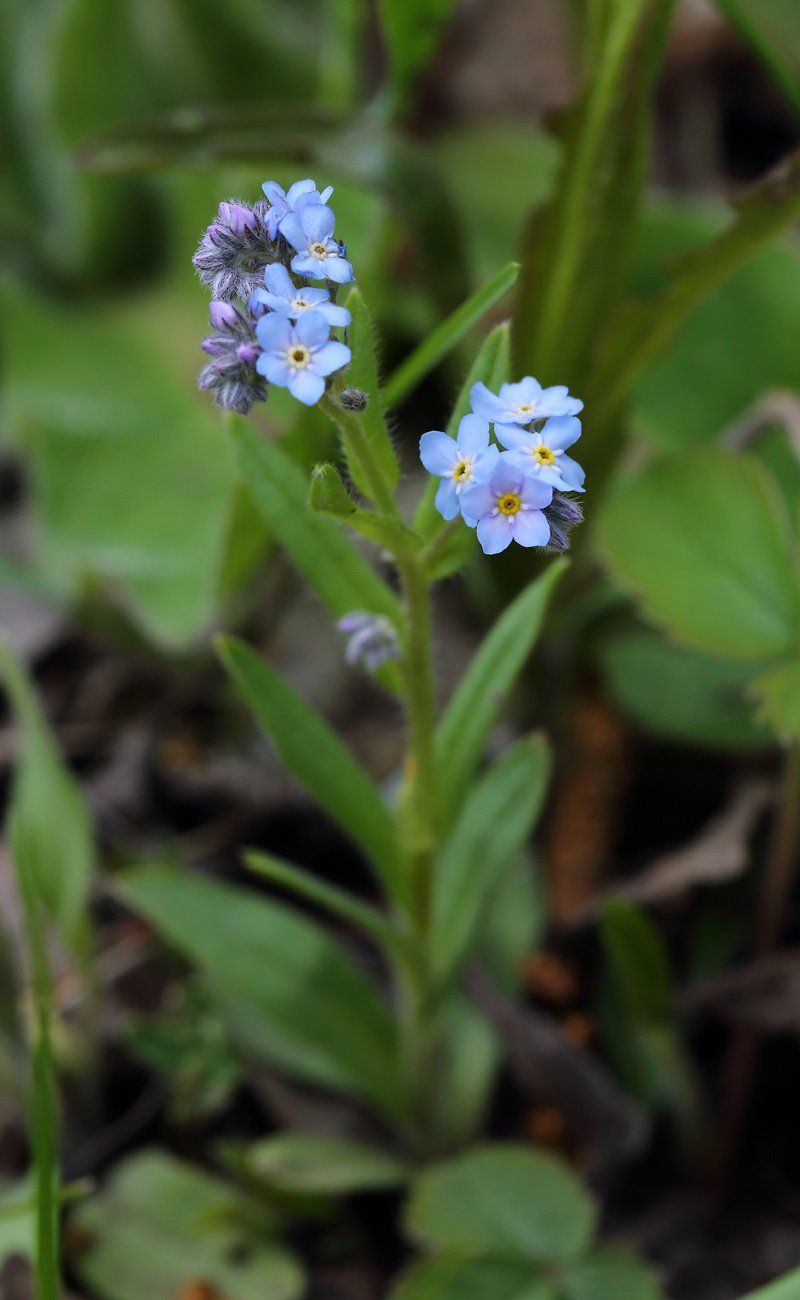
359, 446
418, 676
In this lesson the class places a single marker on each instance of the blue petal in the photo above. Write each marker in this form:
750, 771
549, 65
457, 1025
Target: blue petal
495, 533
317, 221
339, 270
293, 232
331, 356
438, 453
561, 431
278, 280
305, 264
447, 498
477, 501
531, 528
523, 393
506, 476
306, 387
485, 403
299, 187
512, 436
536, 491
473, 435
312, 329
334, 315
273, 191
274, 332
572, 473
273, 368
485, 464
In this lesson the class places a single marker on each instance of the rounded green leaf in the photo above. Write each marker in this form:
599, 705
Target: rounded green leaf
703, 541
503, 1200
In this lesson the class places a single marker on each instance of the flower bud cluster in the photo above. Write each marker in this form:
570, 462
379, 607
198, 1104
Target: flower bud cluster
514, 495
270, 326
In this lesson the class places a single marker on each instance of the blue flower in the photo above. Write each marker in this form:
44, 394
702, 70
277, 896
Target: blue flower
282, 295
372, 639
508, 508
542, 453
281, 203
520, 403
309, 229
299, 357
459, 461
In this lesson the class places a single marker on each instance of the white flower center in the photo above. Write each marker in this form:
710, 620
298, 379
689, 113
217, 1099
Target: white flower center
319, 251
525, 411
299, 305
298, 357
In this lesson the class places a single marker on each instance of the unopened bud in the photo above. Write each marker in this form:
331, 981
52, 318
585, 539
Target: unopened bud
353, 399
222, 314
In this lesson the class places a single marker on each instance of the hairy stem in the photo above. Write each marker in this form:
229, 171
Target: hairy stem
418, 675
359, 447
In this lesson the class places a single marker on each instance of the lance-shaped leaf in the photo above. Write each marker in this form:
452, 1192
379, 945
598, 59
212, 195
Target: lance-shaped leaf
329, 496
51, 821
772, 28
362, 373
309, 1164
412, 30
444, 338
703, 540
641, 331
496, 819
779, 694
301, 1002
482, 692
312, 752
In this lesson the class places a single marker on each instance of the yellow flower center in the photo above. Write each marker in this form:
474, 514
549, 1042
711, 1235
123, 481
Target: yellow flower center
509, 503
319, 251
544, 455
299, 356
526, 408
461, 471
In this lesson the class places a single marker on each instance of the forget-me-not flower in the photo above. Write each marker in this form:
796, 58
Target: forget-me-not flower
522, 402
299, 357
459, 462
508, 508
543, 453
309, 229
281, 203
372, 639
282, 295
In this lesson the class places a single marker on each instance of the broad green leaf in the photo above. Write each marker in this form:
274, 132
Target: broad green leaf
497, 816
131, 476
504, 1200
50, 819
641, 331
326, 1166
444, 338
491, 367
362, 373
703, 541
300, 1000
328, 496
681, 695
312, 752
610, 1273
364, 917
786, 1287
452, 1277
778, 692
412, 30
638, 959
772, 28
316, 545
160, 1225
484, 689
732, 348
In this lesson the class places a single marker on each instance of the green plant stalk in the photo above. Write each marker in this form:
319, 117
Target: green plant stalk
578, 185
418, 676
359, 447
43, 1106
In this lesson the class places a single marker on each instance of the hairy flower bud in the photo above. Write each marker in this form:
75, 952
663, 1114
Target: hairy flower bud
233, 252
352, 399
562, 515
231, 377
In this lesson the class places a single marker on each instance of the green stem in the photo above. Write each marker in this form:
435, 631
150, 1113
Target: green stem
359, 447
438, 544
418, 676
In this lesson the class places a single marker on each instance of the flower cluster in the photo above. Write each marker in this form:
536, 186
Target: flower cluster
515, 494
270, 325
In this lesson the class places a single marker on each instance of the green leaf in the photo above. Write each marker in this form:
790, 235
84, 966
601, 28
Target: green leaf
362, 373
328, 495
503, 1200
160, 1225
483, 690
325, 1166
779, 694
452, 1277
491, 367
772, 28
444, 338
469, 1057
412, 30
610, 1273
365, 918
318, 548
299, 1000
312, 752
52, 827
515, 922
783, 1288
497, 816
703, 541
680, 695
638, 959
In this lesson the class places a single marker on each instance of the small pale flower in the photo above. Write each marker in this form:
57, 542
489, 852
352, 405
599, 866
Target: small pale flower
310, 231
459, 462
508, 508
543, 453
299, 357
372, 639
281, 294
522, 402
281, 203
